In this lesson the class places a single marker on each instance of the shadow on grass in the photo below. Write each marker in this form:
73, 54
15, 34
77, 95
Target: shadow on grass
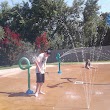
19, 94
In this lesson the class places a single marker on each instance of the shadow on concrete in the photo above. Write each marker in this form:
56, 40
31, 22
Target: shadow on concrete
19, 94
56, 85
68, 81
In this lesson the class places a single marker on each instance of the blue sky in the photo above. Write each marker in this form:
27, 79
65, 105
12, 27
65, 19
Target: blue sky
105, 4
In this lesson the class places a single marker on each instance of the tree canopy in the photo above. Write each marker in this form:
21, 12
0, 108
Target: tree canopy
67, 26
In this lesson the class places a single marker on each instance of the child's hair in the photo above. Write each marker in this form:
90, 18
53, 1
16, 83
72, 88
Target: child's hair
48, 51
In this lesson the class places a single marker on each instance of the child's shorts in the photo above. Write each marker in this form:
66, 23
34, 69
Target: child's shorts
40, 78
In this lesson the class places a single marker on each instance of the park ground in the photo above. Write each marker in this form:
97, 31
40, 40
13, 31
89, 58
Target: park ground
76, 88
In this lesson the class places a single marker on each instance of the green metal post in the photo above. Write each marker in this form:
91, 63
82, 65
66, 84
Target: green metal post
23, 68
59, 60
28, 78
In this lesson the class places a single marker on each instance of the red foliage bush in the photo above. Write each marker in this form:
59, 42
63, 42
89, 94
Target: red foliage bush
11, 45
11, 37
42, 42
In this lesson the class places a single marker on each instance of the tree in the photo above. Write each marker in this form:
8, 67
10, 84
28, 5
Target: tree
66, 27
103, 30
91, 20
1, 33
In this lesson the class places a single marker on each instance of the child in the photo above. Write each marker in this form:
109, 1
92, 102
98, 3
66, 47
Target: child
40, 71
88, 64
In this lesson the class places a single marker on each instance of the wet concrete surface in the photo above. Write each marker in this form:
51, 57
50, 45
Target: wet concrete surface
76, 88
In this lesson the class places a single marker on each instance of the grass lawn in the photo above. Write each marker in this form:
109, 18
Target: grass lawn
8, 67
55, 63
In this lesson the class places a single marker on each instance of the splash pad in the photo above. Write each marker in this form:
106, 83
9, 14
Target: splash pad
95, 54
61, 92
87, 76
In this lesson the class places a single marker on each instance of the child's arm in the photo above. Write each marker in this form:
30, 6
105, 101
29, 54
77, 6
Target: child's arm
45, 65
37, 64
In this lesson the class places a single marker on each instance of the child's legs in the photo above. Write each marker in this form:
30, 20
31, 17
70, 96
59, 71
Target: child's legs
37, 87
40, 87
40, 80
